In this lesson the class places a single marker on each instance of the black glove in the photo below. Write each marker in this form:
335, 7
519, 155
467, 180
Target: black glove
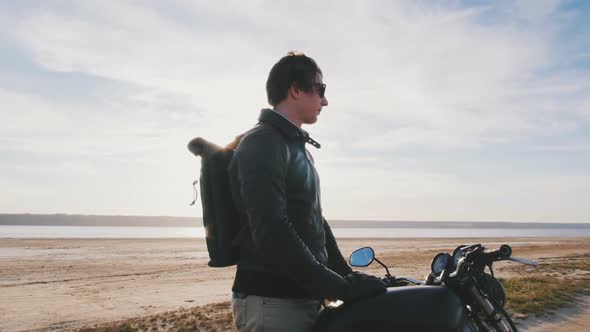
362, 285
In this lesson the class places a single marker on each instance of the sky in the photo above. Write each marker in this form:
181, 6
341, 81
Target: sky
438, 110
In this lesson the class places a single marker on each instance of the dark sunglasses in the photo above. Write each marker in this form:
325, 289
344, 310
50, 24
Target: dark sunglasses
321, 89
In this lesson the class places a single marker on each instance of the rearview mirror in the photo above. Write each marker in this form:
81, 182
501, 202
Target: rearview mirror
362, 257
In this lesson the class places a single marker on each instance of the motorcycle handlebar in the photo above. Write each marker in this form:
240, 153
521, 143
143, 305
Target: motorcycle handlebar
503, 252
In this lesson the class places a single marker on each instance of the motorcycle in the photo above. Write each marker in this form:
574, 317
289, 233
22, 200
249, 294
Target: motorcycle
458, 295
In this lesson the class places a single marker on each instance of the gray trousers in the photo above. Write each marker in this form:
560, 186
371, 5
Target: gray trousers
269, 314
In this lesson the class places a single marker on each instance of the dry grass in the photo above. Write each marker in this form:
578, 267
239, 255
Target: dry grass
550, 287
535, 295
214, 317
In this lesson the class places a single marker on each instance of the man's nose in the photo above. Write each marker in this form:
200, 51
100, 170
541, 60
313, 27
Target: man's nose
324, 101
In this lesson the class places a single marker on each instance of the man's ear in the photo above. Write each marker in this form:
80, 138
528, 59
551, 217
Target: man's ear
294, 91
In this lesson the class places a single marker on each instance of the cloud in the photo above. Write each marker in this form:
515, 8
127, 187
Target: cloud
47, 127
129, 83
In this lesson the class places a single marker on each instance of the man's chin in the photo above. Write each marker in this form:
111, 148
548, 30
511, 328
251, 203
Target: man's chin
311, 121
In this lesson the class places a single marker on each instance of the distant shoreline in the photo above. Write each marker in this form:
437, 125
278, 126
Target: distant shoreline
164, 221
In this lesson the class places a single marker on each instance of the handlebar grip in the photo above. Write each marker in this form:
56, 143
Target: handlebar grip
501, 253
505, 251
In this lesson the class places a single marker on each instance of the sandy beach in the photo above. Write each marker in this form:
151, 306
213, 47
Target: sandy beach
57, 284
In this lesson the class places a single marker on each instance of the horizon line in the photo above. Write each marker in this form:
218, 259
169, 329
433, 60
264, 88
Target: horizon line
335, 219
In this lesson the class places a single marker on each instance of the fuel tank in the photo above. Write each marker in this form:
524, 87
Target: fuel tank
408, 308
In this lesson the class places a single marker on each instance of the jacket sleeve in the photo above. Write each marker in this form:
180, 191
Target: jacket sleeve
261, 169
336, 261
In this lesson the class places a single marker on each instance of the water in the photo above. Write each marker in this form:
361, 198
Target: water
100, 232
199, 232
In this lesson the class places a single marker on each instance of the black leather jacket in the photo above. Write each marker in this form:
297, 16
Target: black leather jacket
290, 250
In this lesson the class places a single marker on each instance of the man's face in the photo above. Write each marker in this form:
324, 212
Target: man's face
311, 103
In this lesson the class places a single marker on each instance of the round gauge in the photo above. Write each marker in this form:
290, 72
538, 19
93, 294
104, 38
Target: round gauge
440, 262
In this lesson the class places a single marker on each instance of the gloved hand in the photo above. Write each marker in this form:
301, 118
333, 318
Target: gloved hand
362, 285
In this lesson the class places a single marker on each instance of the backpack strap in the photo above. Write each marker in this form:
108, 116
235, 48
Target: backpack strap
276, 130
234, 144
244, 231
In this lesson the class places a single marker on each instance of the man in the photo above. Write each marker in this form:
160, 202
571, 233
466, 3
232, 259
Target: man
289, 260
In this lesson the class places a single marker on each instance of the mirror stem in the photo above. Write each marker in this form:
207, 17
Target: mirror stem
386, 269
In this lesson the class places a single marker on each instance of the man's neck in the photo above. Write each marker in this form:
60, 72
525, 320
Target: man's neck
289, 114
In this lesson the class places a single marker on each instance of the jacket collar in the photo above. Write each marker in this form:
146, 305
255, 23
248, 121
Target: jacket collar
286, 127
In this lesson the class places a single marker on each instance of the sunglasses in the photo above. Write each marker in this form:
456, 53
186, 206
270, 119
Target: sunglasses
321, 89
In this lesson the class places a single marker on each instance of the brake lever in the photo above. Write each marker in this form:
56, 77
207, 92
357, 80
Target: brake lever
523, 261
389, 280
